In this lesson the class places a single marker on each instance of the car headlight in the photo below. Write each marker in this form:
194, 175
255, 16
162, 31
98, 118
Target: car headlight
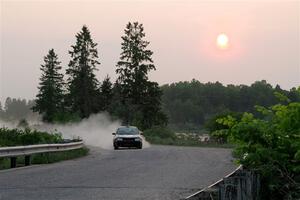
119, 139
137, 139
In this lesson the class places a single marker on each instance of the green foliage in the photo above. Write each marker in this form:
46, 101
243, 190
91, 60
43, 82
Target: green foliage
218, 127
214, 124
15, 137
83, 93
50, 96
271, 146
138, 97
282, 97
220, 135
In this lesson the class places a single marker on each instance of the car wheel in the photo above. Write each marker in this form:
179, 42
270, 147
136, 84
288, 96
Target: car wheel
116, 147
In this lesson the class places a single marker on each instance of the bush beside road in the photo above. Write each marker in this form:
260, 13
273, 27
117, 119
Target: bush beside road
19, 137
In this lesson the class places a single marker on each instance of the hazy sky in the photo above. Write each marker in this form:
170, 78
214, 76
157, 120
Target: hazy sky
263, 35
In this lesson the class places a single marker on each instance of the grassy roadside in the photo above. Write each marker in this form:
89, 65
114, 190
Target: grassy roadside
45, 158
165, 136
192, 143
20, 137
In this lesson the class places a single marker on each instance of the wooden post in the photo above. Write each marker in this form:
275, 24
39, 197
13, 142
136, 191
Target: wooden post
13, 162
27, 160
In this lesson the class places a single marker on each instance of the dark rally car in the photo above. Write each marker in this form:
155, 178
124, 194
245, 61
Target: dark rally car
128, 136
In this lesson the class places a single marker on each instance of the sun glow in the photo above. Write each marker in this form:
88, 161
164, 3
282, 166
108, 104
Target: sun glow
222, 41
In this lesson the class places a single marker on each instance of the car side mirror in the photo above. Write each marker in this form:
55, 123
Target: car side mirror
113, 133
141, 133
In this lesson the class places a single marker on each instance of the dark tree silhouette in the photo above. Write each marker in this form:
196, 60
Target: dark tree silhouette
1, 109
83, 93
190, 104
49, 100
135, 88
106, 93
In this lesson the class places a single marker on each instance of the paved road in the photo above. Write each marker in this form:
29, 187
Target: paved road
158, 172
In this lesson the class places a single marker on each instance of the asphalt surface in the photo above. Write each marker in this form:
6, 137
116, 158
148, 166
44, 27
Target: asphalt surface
157, 172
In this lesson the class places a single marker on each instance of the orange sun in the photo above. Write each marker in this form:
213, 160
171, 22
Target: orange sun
222, 41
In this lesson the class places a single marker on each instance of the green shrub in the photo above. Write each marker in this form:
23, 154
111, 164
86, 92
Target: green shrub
270, 146
15, 137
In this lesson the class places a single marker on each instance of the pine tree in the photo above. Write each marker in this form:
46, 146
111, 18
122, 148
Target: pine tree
135, 62
83, 96
1, 111
106, 93
151, 106
8, 102
133, 67
49, 100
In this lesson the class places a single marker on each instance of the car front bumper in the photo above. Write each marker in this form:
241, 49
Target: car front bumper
127, 143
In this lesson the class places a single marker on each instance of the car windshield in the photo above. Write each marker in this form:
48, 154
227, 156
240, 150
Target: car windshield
127, 131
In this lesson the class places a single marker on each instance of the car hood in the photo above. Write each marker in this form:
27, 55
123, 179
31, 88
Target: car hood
128, 136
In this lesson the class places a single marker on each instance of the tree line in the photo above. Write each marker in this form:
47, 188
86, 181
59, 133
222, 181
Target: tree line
133, 97
190, 105
16, 109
